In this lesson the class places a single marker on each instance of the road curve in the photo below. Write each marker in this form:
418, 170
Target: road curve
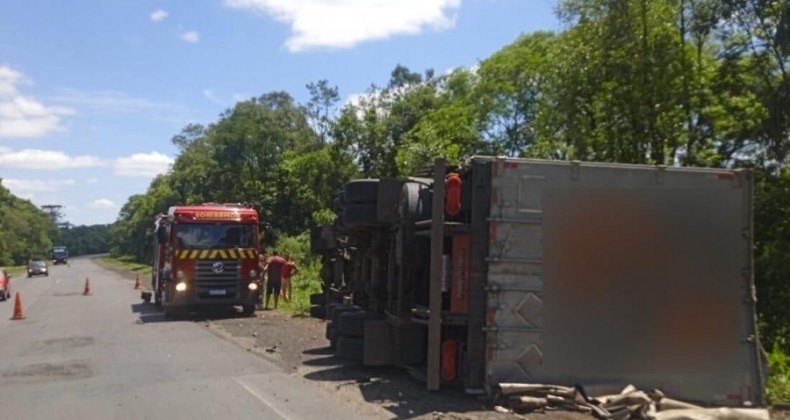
107, 356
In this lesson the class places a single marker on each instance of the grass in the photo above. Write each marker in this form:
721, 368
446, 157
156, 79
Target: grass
778, 384
127, 263
16, 269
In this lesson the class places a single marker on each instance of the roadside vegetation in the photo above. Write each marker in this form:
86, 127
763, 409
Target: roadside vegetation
127, 263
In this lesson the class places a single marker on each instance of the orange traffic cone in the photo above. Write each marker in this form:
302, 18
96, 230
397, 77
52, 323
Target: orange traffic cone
17, 308
87, 291
137, 284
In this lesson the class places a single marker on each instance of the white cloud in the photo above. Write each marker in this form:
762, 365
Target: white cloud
344, 24
24, 116
9, 78
29, 185
103, 203
213, 97
239, 97
92, 180
46, 160
158, 15
143, 164
110, 100
190, 36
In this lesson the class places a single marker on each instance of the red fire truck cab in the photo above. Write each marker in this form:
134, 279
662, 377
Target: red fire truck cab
207, 255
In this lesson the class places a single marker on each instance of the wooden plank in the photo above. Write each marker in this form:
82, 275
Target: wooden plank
435, 298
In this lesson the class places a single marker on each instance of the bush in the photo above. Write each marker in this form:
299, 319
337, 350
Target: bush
778, 384
307, 280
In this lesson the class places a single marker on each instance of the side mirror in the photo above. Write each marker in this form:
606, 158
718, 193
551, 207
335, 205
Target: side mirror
161, 234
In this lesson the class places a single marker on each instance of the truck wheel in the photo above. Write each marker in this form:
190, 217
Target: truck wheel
339, 310
353, 323
361, 191
317, 299
360, 214
415, 201
248, 310
334, 335
349, 348
171, 312
318, 312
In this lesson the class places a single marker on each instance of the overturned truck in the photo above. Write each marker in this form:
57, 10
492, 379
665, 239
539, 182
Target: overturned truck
528, 271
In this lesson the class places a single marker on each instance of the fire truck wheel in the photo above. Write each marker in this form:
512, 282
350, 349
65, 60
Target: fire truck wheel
349, 348
360, 214
353, 323
171, 312
361, 191
248, 310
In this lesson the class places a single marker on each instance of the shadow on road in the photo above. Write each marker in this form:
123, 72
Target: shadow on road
150, 313
394, 389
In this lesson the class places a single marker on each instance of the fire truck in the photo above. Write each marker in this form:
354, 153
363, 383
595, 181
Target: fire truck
206, 255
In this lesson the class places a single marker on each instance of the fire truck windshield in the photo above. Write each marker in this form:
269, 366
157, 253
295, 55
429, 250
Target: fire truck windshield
207, 236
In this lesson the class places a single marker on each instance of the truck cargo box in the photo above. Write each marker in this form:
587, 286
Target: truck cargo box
600, 273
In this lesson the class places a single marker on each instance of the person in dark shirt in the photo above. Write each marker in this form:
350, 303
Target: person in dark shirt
274, 267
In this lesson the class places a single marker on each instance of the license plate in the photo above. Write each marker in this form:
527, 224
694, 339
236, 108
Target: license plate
217, 292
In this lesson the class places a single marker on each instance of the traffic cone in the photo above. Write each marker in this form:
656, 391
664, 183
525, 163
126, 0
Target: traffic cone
137, 284
17, 308
87, 291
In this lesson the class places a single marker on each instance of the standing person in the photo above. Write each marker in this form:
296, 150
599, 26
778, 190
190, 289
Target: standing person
262, 274
288, 272
274, 268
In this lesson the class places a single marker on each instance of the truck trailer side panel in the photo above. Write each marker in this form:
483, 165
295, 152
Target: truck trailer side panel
617, 274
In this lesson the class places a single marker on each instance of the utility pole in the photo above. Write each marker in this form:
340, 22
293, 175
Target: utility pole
55, 213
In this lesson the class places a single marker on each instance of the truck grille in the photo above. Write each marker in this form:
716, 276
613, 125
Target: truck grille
206, 279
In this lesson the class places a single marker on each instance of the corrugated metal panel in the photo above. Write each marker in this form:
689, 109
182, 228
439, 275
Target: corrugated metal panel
622, 273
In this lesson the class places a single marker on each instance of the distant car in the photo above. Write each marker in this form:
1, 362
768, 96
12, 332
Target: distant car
37, 268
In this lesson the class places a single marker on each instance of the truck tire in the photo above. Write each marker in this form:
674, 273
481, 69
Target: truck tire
332, 336
171, 312
415, 201
317, 299
353, 323
248, 310
337, 306
341, 310
349, 348
360, 214
318, 311
361, 191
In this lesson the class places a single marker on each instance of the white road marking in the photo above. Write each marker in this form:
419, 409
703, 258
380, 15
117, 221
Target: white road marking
261, 398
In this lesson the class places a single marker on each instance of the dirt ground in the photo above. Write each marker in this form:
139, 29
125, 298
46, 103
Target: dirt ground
298, 345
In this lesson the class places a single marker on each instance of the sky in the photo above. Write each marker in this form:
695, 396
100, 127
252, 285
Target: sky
92, 91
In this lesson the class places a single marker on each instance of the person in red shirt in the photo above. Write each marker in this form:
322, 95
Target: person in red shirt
288, 272
274, 267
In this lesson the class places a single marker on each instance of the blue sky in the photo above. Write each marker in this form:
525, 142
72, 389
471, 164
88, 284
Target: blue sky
91, 91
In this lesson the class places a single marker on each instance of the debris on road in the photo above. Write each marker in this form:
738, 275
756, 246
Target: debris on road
630, 403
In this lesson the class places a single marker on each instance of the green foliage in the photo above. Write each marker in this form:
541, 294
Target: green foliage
778, 384
85, 240
25, 230
307, 280
127, 263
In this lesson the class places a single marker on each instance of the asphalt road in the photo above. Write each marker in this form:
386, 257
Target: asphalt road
108, 356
